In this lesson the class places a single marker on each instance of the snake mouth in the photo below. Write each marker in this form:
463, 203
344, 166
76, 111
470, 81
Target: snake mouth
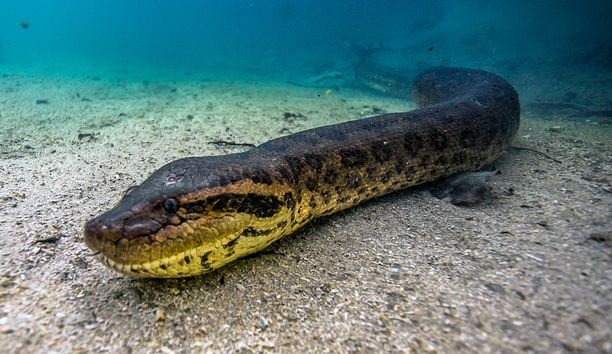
133, 256
169, 267
141, 246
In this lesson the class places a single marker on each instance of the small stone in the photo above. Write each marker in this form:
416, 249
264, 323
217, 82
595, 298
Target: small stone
327, 287
262, 324
49, 239
506, 325
446, 261
496, 288
466, 189
160, 315
600, 236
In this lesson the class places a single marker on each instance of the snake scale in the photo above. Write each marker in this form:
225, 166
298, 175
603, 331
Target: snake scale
197, 214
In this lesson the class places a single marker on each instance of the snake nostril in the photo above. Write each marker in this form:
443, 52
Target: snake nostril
90, 228
94, 235
97, 230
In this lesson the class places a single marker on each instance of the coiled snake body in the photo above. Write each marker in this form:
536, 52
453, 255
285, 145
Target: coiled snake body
197, 214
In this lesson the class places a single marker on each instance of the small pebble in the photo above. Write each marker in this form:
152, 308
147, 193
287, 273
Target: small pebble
262, 324
160, 315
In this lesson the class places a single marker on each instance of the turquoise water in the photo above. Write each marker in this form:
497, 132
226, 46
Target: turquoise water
558, 54
280, 39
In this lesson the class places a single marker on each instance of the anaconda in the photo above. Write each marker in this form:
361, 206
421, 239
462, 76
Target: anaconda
197, 214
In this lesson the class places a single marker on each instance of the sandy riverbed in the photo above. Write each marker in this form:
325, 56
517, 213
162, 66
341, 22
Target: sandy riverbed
528, 270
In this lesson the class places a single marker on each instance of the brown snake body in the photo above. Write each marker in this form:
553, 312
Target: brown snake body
197, 214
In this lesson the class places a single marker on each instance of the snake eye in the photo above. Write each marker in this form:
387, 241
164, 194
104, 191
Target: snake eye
170, 205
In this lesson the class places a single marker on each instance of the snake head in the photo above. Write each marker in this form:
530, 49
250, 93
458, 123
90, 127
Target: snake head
187, 217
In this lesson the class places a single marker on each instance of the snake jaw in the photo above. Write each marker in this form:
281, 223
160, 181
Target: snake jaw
169, 267
205, 251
